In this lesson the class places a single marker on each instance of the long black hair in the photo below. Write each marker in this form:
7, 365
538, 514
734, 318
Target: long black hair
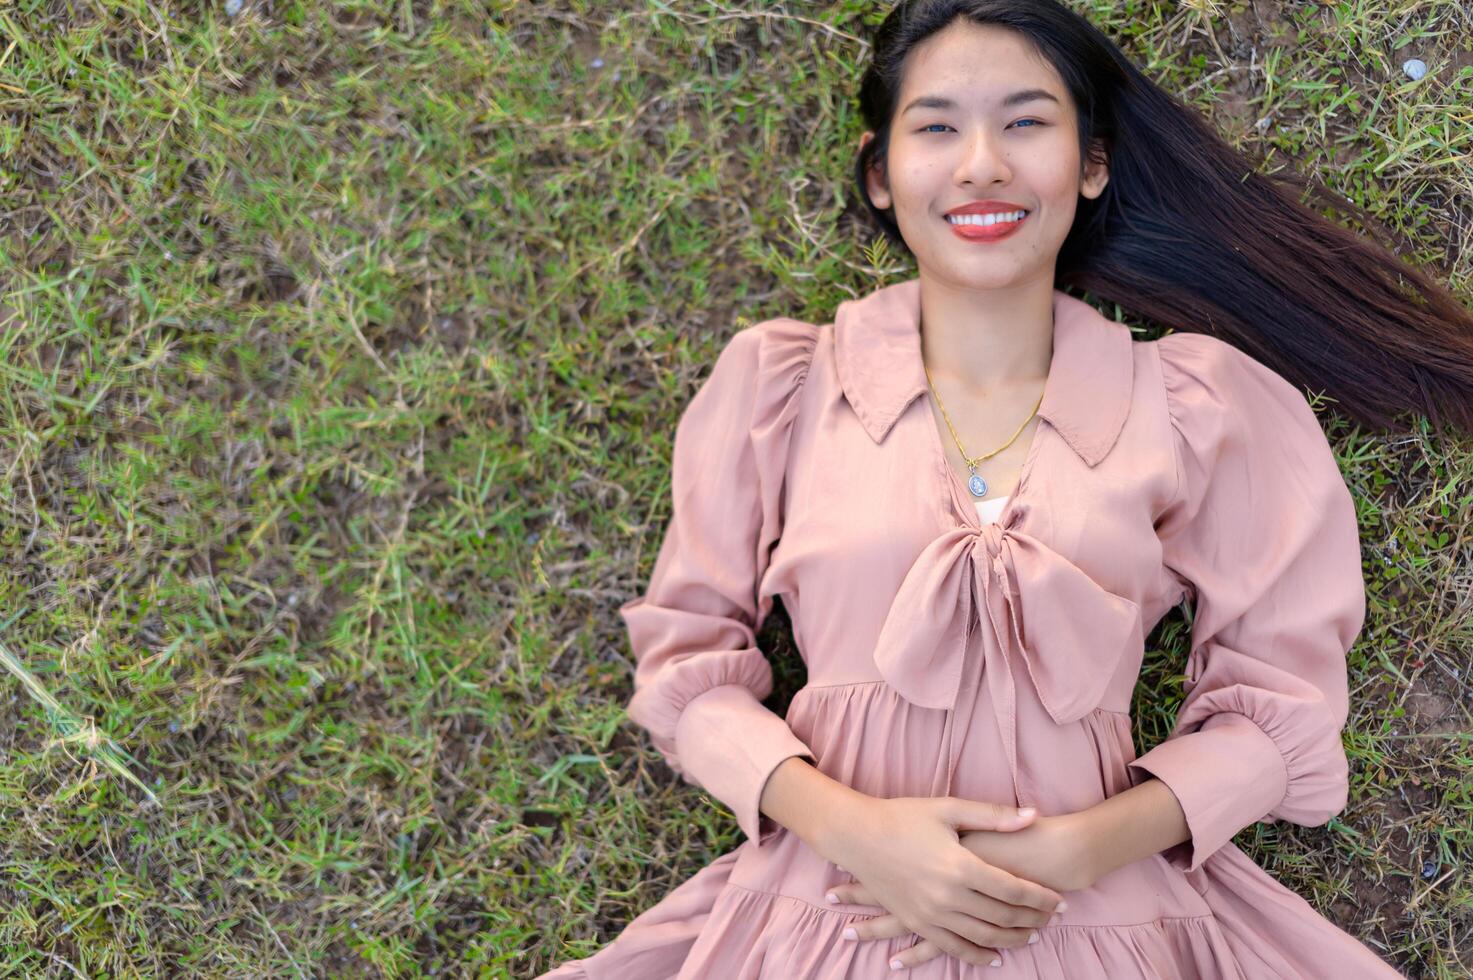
1189, 235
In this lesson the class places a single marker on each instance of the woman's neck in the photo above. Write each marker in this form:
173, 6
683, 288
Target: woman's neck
986, 340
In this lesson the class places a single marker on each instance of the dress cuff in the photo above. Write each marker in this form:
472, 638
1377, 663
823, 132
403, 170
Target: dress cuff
729, 743
1226, 775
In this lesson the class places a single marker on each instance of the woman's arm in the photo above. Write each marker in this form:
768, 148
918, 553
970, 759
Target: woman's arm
807, 802
1072, 850
908, 850
1133, 824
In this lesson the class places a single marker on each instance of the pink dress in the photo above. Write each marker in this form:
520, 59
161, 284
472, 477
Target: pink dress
995, 659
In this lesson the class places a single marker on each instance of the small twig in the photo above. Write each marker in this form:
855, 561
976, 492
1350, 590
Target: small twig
1430, 888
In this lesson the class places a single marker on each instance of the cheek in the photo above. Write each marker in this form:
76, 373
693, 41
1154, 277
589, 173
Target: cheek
916, 190
1063, 173
916, 178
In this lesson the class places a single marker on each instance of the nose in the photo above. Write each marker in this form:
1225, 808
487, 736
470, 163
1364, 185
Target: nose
983, 162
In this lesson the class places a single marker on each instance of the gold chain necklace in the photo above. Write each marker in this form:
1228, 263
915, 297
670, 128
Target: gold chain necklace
976, 484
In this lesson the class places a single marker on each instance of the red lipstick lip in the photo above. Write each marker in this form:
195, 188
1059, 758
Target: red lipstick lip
988, 233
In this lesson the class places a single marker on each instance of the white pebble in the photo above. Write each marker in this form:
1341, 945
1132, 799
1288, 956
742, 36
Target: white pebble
1415, 68
232, 7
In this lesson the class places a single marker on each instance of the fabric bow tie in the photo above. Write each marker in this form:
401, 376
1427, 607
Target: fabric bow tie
1069, 631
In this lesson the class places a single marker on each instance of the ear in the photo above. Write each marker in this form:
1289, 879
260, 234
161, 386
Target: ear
1096, 170
875, 180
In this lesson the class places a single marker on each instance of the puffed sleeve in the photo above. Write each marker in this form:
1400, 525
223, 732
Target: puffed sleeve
699, 677
1262, 535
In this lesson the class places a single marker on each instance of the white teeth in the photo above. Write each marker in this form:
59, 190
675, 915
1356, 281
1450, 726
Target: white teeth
985, 219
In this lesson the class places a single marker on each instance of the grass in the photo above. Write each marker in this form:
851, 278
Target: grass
341, 347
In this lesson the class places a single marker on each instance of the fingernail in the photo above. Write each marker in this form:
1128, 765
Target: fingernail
849, 933
1063, 906
1026, 811
997, 962
830, 897
1033, 939
896, 965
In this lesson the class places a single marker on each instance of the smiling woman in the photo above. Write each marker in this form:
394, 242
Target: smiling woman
983, 110
960, 768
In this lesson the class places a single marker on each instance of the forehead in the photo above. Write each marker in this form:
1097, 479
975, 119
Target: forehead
970, 62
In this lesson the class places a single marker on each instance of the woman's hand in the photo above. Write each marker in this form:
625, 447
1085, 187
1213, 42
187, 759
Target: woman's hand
1052, 851
909, 858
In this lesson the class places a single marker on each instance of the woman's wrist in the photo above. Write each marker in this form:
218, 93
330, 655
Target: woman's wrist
814, 807
1136, 823
1083, 832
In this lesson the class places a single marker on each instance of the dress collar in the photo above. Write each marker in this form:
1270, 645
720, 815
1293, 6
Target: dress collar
1087, 395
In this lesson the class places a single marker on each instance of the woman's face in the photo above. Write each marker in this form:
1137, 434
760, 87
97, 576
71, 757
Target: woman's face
983, 118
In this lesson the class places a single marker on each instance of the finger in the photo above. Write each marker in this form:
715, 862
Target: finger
978, 906
852, 893
980, 815
989, 909
876, 927
953, 945
927, 950
991, 880
988, 934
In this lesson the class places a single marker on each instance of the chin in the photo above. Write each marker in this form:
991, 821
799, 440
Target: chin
987, 275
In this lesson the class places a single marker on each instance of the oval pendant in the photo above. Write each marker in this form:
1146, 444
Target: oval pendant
977, 485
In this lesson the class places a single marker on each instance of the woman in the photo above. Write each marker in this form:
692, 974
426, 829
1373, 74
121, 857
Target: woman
970, 575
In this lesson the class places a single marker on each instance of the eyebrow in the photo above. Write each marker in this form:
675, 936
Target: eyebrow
1007, 101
